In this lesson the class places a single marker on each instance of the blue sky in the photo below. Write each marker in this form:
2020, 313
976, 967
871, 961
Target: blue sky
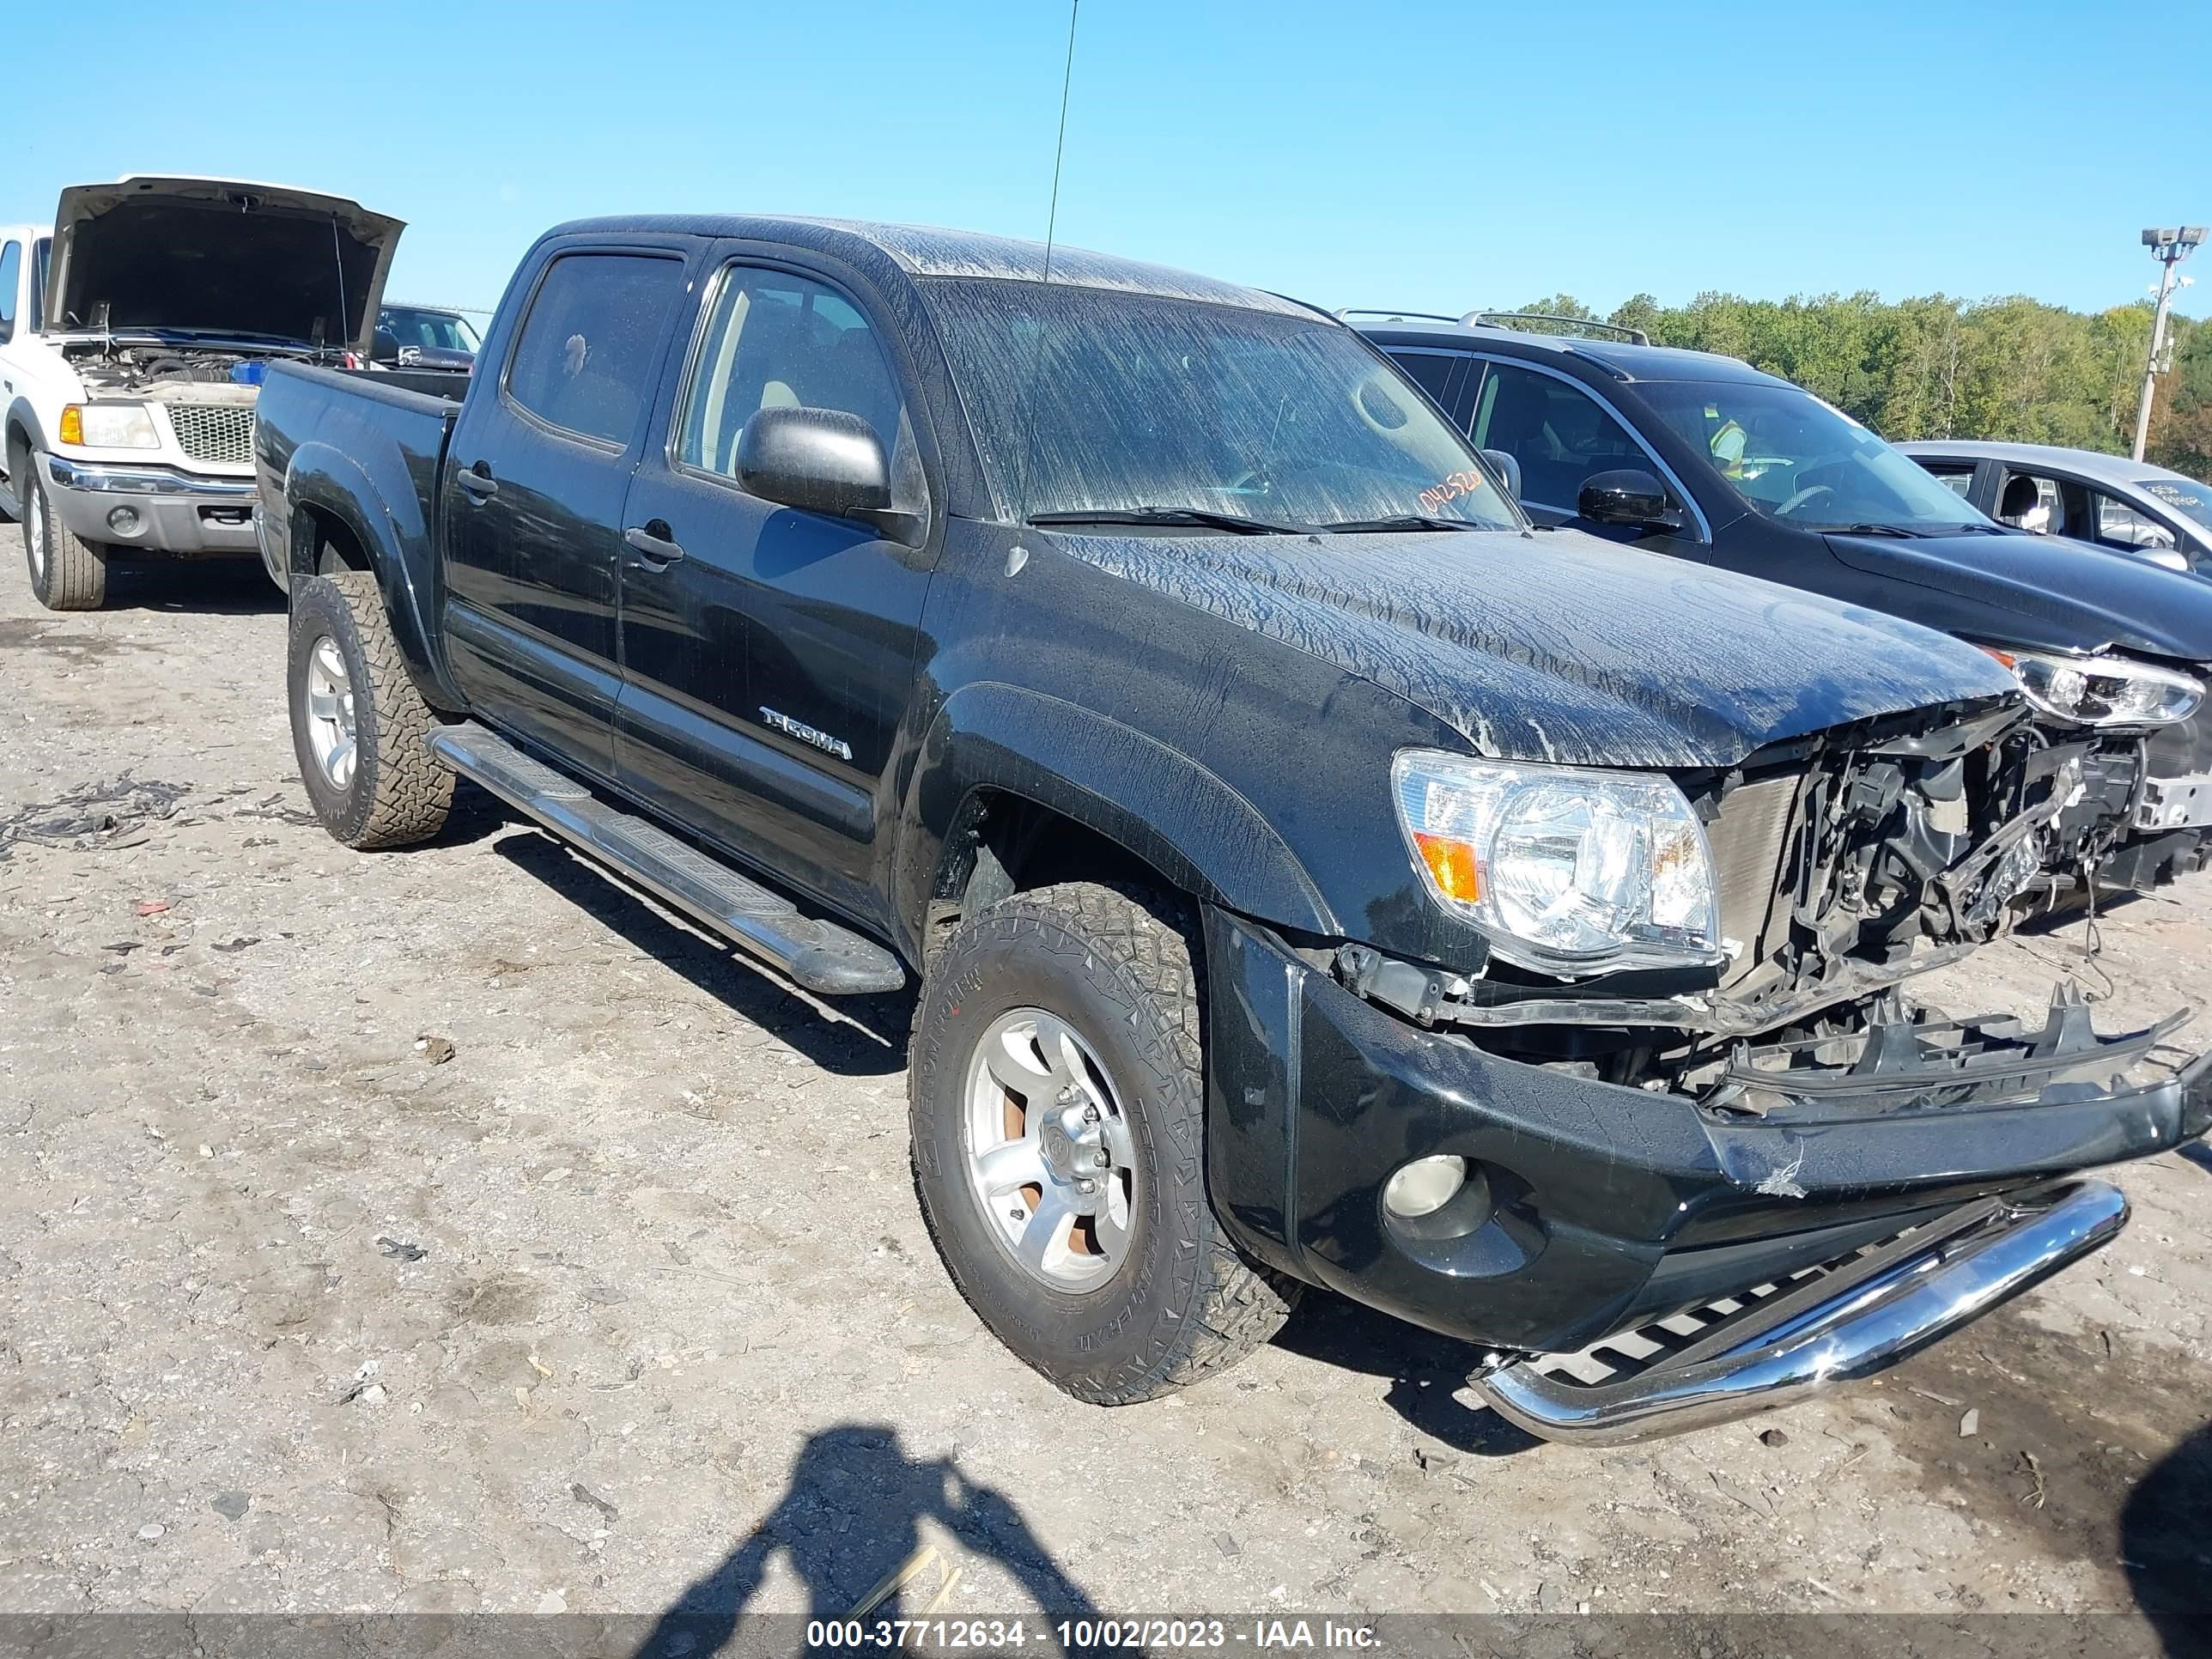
1416, 154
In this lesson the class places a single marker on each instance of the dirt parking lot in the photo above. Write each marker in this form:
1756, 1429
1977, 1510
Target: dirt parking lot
622, 1297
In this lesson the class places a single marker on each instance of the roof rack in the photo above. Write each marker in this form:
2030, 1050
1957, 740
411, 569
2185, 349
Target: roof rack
1349, 312
1479, 319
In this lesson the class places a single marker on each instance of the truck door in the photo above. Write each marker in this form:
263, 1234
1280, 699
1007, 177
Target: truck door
541, 459
768, 653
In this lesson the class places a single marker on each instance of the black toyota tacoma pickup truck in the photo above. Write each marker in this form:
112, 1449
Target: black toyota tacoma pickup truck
1311, 875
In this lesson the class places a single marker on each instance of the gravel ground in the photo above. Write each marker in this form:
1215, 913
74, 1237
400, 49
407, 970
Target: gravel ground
626, 1293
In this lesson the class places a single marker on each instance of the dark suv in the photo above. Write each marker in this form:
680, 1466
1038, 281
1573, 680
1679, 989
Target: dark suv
1706, 458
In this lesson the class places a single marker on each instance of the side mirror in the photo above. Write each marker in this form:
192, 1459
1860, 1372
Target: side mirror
1629, 496
384, 349
821, 460
1507, 466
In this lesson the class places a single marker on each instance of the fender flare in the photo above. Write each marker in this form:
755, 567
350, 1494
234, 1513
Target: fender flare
21, 413
1160, 804
323, 478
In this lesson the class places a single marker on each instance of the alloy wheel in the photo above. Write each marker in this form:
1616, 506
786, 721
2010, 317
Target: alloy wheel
330, 713
1048, 1152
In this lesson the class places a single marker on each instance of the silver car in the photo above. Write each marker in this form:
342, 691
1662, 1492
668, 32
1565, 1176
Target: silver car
2129, 507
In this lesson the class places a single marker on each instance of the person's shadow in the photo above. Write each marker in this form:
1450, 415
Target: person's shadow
849, 1517
2165, 1526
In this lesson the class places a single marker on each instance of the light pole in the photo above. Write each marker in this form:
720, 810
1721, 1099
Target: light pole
2169, 247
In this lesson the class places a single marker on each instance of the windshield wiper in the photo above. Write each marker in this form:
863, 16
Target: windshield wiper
1402, 521
1197, 517
1897, 530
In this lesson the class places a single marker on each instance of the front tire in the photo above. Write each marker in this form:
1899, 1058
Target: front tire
67, 572
1057, 1100
360, 729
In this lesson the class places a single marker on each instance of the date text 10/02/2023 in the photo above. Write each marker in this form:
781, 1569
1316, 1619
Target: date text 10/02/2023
1076, 1634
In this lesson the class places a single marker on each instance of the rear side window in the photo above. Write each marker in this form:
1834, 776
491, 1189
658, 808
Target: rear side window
1959, 480
778, 341
1434, 371
590, 348
11, 281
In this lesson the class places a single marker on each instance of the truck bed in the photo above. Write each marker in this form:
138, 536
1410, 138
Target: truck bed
362, 453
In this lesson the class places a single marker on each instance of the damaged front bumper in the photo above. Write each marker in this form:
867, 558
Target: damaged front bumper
1593, 1209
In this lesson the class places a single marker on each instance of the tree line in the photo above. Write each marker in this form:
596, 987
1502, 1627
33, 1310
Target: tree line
2009, 368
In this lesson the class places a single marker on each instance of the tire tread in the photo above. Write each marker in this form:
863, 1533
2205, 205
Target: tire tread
76, 569
1231, 1306
411, 793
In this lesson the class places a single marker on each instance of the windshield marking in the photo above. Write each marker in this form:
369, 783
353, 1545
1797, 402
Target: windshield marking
1449, 489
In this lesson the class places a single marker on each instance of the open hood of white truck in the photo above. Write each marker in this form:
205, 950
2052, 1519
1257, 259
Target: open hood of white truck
218, 256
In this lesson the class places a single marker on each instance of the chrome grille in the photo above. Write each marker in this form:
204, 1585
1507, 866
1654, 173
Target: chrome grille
1747, 838
214, 432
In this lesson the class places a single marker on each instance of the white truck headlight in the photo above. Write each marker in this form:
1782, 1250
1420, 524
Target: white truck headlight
109, 426
2102, 690
1567, 871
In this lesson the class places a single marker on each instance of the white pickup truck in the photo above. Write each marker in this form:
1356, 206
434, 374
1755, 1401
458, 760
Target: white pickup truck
134, 333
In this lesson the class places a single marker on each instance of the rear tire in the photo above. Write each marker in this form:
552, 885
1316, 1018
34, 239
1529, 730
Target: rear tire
67, 572
1089, 997
360, 729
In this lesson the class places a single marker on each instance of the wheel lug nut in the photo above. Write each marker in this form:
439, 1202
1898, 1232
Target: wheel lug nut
1100, 1159
1086, 1186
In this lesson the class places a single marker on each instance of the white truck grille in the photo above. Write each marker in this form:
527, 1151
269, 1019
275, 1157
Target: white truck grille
214, 432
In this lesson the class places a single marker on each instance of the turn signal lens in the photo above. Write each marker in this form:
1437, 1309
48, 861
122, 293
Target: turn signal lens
1568, 872
1451, 866
73, 423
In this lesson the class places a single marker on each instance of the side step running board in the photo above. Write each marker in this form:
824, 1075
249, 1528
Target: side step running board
819, 955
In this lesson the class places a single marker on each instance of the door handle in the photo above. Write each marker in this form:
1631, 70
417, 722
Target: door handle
476, 482
657, 548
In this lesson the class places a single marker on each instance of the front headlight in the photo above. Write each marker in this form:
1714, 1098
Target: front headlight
1567, 871
2102, 690
109, 426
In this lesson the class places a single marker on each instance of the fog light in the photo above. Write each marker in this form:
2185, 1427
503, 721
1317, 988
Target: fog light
1425, 1186
122, 520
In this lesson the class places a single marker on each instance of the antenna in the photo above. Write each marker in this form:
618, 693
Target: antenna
1051, 226
1060, 146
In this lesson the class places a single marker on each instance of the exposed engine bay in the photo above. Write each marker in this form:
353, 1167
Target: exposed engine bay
213, 376
1848, 861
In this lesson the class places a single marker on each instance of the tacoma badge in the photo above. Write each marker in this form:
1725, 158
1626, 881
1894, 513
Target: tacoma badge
805, 733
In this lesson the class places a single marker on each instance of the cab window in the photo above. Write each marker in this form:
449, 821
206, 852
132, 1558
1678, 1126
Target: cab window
587, 356
41, 256
11, 284
778, 341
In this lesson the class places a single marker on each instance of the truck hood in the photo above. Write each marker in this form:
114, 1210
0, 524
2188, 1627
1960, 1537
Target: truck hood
1559, 647
218, 256
2047, 591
